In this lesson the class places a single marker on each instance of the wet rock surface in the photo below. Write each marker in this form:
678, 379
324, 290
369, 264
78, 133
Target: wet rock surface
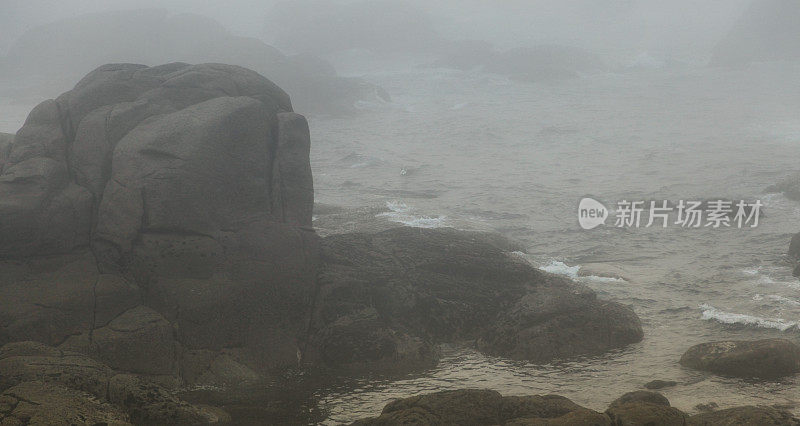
409, 289
765, 359
487, 407
158, 239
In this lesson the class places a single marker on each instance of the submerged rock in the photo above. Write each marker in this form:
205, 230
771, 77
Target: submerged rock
660, 384
765, 359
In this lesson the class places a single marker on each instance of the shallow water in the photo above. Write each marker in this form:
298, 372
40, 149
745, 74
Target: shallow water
477, 151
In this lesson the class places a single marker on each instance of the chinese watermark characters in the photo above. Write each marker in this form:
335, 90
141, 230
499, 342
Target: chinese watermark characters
684, 213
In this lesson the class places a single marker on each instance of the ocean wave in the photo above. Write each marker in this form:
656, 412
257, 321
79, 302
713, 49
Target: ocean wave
560, 268
711, 313
399, 212
777, 298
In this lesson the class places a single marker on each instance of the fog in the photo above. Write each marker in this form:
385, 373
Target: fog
299, 211
682, 28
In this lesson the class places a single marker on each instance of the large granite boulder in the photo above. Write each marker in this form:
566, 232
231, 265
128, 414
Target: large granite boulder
766, 359
401, 291
54, 55
155, 209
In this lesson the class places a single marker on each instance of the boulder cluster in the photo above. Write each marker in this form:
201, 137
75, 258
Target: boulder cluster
156, 235
487, 407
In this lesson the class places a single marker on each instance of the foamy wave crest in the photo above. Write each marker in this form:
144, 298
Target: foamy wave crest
399, 212
560, 268
777, 298
711, 313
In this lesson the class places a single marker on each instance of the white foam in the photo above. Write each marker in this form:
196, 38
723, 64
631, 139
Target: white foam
752, 271
777, 298
560, 268
399, 212
711, 313
602, 279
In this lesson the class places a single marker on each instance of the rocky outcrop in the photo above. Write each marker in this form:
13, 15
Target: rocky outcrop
41, 403
660, 384
747, 415
533, 64
480, 407
157, 232
403, 290
44, 385
766, 359
155, 211
789, 187
766, 31
487, 407
54, 55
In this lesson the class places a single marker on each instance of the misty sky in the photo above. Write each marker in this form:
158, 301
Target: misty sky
680, 28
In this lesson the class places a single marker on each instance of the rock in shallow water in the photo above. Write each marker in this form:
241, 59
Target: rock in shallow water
443, 285
765, 359
660, 384
487, 407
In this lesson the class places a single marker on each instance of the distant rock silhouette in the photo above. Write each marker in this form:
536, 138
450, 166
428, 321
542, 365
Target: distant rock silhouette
766, 31
55, 55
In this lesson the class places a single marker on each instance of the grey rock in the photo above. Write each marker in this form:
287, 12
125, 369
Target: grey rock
765, 359
645, 413
747, 415
486, 407
445, 285
660, 384
51, 298
26, 362
641, 396
41, 403
147, 403
138, 341
560, 319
